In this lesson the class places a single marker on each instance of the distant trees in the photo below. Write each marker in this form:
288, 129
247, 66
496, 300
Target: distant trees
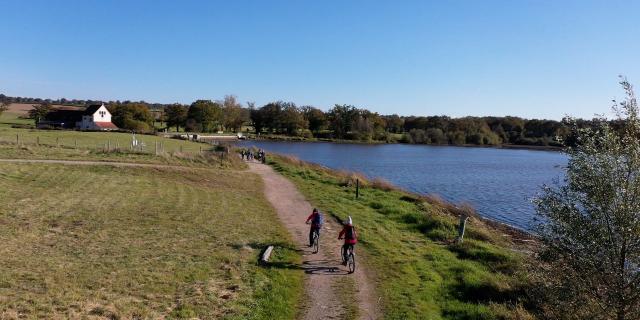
315, 118
279, 117
40, 111
175, 115
257, 117
134, 116
343, 122
590, 261
234, 116
394, 123
291, 119
341, 118
204, 116
486, 130
3, 106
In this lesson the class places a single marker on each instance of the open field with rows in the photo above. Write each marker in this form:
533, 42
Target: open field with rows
104, 242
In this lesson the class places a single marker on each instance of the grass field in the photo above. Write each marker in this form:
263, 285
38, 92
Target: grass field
408, 242
7, 119
102, 242
87, 140
95, 140
205, 159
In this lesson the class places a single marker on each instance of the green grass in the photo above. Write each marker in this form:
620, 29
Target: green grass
407, 243
95, 140
7, 119
205, 159
105, 242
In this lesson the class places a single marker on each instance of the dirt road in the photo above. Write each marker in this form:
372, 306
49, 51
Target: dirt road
326, 280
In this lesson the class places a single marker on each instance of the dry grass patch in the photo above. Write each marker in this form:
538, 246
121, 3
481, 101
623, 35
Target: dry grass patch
105, 242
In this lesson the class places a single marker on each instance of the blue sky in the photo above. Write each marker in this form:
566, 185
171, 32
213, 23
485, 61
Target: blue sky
536, 59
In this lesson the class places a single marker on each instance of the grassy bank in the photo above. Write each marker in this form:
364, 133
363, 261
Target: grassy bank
104, 242
408, 243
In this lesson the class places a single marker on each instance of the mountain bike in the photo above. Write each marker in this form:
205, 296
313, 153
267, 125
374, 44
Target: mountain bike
351, 258
316, 240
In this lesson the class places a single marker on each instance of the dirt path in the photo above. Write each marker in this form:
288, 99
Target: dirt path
325, 276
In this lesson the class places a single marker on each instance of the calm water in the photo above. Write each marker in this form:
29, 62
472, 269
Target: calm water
499, 183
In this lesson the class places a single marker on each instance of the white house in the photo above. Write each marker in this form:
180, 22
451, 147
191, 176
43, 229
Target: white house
96, 117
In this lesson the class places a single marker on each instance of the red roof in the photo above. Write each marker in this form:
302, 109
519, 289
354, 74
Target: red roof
106, 125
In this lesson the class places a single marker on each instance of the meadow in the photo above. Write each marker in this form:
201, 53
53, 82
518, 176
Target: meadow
114, 242
408, 242
24, 143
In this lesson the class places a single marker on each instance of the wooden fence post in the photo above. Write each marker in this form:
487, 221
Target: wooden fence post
108, 145
57, 141
38, 140
357, 188
461, 227
17, 139
180, 148
156, 148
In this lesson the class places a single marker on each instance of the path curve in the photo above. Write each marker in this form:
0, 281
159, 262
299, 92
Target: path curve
323, 271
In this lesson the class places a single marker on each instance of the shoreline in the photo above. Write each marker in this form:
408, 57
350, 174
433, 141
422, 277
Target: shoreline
513, 232
373, 143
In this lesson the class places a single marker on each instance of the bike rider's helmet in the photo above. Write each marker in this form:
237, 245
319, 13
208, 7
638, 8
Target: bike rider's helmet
349, 221
315, 210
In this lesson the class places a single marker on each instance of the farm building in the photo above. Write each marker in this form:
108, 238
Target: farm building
94, 117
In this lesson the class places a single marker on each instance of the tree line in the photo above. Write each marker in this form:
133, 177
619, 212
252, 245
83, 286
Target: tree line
341, 122
346, 122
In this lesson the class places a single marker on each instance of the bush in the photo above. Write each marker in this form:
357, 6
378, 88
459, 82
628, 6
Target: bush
306, 134
136, 125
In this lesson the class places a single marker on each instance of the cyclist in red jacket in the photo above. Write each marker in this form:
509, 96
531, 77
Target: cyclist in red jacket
350, 238
316, 224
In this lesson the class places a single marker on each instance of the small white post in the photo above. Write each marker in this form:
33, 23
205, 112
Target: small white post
461, 227
267, 254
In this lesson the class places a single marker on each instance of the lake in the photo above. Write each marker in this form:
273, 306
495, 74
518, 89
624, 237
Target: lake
499, 183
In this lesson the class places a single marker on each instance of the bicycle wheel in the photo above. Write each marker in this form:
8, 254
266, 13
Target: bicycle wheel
342, 253
316, 242
352, 262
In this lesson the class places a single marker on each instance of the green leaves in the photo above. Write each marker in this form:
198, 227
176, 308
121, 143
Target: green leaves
591, 227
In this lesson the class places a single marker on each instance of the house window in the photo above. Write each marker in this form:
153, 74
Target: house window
102, 113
